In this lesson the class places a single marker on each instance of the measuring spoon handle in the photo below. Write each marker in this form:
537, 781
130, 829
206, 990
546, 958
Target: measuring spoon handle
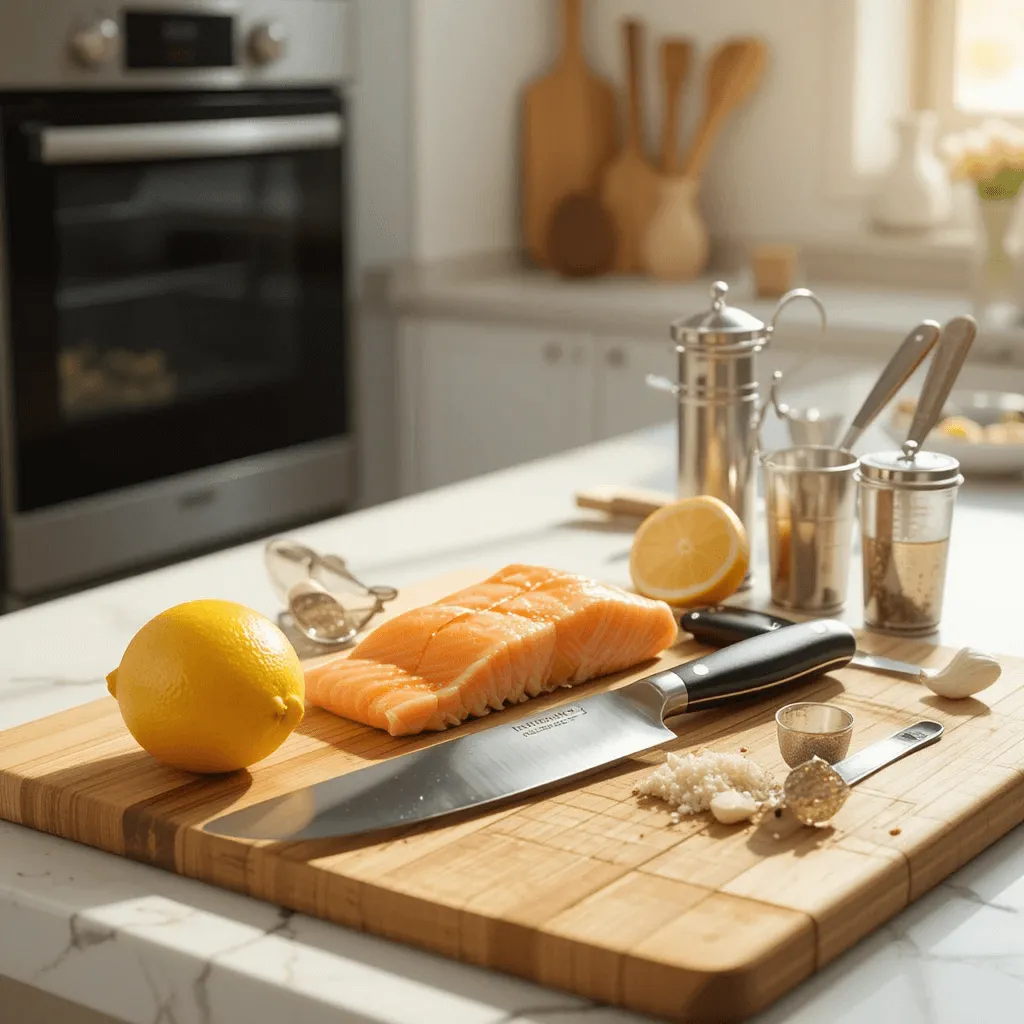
883, 753
905, 360
954, 344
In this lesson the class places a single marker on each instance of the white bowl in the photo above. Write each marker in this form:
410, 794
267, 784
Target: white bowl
982, 458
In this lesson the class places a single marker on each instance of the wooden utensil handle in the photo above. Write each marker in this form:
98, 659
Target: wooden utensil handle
669, 143
675, 61
622, 501
633, 31
572, 38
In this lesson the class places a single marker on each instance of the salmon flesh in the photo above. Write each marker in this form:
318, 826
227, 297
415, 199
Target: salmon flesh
524, 631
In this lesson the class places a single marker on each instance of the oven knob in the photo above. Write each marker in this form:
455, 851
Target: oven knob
97, 44
267, 42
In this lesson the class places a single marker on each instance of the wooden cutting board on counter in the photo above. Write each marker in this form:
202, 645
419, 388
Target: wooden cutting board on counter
585, 888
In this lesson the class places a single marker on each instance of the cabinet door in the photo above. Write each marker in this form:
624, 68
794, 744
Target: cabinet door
624, 401
483, 397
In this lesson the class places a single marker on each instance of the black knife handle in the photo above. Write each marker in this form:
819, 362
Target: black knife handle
759, 667
720, 625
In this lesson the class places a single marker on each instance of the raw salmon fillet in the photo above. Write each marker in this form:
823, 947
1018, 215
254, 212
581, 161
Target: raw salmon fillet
524, 631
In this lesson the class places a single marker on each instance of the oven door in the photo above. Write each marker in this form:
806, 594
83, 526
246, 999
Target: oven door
175, 285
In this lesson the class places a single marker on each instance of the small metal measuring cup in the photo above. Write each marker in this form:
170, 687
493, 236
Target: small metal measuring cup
809, 729
810, 497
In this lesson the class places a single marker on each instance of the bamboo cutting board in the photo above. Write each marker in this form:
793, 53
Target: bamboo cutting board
586, 889
568, 134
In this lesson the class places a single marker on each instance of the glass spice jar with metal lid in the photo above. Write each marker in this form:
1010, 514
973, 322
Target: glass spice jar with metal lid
906, 514
719, 399
906, 506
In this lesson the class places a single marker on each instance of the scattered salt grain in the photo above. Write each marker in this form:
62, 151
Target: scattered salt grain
689, 781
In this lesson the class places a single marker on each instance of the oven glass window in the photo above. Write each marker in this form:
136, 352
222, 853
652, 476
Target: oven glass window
170, 315
178, 283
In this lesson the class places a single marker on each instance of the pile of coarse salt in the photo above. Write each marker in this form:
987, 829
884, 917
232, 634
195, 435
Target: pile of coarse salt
689, 781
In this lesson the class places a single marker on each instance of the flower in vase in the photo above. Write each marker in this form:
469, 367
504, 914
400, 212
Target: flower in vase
990, 156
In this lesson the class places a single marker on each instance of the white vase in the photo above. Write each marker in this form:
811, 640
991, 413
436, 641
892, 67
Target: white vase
914, 194
995, 273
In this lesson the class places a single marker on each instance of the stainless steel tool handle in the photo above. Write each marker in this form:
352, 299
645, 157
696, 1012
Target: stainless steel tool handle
905, 360
883, 753
184, 140
954, 343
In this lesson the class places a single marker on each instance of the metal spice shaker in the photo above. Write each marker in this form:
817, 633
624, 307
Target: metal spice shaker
906, 506
719, 399
906, 515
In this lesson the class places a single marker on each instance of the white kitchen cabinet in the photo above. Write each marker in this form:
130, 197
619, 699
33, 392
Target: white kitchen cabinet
478, 397
623, 401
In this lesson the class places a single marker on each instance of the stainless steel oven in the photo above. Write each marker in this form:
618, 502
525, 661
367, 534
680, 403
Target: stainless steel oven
173, 334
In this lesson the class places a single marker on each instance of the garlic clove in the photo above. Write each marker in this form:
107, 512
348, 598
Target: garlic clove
968, 672
732, 806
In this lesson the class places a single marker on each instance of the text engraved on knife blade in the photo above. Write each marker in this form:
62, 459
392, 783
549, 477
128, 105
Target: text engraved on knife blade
563, 716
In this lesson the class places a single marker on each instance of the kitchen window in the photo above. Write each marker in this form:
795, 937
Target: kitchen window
969, 61
962, 58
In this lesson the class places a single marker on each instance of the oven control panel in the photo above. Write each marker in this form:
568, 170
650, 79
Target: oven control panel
158, 39
179, 43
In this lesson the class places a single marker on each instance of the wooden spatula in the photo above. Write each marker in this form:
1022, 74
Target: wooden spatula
676, 57
568, 134
733, 73
630, 190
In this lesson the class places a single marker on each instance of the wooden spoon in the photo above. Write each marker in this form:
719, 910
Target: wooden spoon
675, 246
676, 55
630, 190
733, 73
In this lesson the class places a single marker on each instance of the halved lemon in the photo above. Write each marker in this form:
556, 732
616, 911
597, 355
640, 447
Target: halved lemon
691, 552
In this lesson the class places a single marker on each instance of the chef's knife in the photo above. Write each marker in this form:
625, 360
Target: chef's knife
552, 746
721, 625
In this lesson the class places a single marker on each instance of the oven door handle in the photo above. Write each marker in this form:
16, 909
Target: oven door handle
187, 140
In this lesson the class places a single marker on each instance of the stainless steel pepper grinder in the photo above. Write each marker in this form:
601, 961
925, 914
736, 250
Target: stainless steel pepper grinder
719, 400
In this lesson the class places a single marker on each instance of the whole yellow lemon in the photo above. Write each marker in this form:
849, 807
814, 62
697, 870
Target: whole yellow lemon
209, 686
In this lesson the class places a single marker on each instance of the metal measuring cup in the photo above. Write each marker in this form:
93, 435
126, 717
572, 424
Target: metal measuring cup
907, 500
810, 496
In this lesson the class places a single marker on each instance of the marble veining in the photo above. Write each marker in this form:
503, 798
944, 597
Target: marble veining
152, 948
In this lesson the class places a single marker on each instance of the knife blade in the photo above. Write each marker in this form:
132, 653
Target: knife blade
556, 745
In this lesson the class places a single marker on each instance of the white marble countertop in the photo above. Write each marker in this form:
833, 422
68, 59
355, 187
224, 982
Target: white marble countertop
151, 948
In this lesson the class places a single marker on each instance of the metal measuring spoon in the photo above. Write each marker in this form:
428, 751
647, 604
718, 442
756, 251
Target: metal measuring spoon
815, 791
320, 616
